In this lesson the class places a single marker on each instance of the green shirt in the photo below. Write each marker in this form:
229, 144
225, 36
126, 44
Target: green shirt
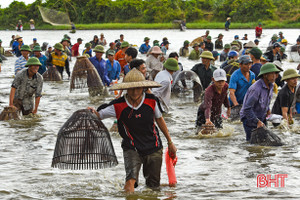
194, 55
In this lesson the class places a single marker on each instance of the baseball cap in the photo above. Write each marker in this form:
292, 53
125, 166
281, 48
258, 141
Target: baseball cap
219, 75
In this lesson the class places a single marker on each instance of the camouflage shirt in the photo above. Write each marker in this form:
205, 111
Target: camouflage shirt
27, 87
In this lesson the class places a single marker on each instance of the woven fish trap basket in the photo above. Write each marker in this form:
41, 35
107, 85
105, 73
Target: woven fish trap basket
84, 143
9, 113
52, 74
85, 75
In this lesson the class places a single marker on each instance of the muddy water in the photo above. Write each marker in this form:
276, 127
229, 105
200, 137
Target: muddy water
207, 168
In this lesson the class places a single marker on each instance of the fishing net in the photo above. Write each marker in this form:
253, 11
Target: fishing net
186, 83
52, 74
85, 75
196, 40
235, 112
9, 113
54, 17
264, 137
84, 143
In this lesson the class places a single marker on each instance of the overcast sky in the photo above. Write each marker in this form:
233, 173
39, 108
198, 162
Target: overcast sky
5, 3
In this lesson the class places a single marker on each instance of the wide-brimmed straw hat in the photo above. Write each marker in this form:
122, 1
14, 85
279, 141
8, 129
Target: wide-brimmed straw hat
135, 79
207, 54
156, 50
18, 37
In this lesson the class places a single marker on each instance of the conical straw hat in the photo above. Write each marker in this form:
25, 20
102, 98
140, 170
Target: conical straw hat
135, 79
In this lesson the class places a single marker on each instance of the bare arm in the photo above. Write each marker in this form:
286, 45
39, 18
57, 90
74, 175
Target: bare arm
94, 111
12, 96
284, 111
163, 127
36, 105
233, 97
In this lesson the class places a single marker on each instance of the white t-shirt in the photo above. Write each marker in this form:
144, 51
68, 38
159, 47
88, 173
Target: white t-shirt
164, 92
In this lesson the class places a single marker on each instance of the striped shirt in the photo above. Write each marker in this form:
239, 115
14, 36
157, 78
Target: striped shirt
20, 64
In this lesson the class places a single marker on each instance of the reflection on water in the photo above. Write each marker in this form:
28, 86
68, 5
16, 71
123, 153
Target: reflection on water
222, 166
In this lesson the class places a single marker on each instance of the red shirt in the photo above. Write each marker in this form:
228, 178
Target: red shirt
258, 31
212, 105
75, 48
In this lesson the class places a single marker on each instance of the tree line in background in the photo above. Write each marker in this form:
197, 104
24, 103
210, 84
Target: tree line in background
155, 11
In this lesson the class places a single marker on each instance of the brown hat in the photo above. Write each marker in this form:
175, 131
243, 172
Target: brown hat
18, 37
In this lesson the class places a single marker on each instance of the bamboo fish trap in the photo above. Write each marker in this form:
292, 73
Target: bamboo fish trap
85, 75
84, 143
9, 113
52, 74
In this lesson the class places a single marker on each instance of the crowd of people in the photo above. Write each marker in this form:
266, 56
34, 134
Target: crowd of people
246, 80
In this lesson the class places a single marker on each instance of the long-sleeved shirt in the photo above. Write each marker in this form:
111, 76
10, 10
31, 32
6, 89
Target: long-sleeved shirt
144, 48
223, 56
194, 55
153, 63
256, 102
184, 52
120, 57
209, 46
101, 68
113, 72
212, 105
164, 92
20, 64
218, 44
270, 55
16, 49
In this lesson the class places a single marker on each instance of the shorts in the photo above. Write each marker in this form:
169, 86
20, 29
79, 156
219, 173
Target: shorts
151, 166
19, 105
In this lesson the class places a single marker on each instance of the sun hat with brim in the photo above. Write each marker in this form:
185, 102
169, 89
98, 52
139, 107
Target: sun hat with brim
171, 64
256, 52
228, 18
284, 41
186, 42
219, 75
99, 49
245, 59
18, 37
33, 61
208, 37
58, 46
156, 50
268, 68
290, 73
196, 45
250, 44
282, 49
207, 54
25, 48
111, 52
215, 53
124, 44
37, 48
227, 46
278, 64
134, 79
87, 45
65, 39
220, 34
146, 38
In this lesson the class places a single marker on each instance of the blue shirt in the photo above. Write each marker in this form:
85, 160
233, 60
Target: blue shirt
87, 52
101, 68
126, 69
144, 48
240, 84
15, 48
256, 103
256, 69
113, 72
43, 60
